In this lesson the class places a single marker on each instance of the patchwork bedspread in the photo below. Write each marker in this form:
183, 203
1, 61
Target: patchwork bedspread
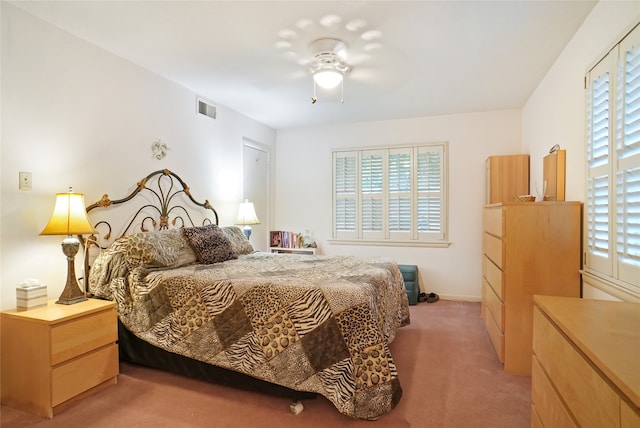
310, 323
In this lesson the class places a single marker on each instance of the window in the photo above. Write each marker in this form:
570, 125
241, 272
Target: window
394, 195
612, 211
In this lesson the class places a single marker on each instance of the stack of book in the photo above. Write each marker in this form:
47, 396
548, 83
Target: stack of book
285, 239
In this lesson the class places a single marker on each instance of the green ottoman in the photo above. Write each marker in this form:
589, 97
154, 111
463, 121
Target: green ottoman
410, 276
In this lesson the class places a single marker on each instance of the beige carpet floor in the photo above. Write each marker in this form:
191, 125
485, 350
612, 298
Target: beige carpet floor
449, 372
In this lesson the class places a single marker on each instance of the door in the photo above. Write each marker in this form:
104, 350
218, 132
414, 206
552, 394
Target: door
255, 179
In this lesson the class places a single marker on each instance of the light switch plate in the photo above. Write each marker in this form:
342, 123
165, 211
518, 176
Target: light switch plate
25, 181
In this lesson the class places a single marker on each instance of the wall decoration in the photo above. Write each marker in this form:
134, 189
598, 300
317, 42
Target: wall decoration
159, 149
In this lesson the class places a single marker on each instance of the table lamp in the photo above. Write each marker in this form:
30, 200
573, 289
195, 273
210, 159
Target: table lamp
246, 217
69, 218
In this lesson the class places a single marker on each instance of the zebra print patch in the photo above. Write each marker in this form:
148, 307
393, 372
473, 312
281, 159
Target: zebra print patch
338, 381
309, 311
246, 354
217, 296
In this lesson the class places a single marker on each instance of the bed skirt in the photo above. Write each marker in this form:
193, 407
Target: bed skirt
136, 351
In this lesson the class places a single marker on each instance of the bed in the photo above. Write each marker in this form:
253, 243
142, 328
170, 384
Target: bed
194, 295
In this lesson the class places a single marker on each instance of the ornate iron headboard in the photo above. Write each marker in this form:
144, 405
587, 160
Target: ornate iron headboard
163, 203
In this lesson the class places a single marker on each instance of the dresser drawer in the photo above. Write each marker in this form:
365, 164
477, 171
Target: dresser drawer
630, 418
535, 419
82, 374
82, 335
494, 305
492, 221
492, 247
549, 407
589, 398
496, 336
494, 276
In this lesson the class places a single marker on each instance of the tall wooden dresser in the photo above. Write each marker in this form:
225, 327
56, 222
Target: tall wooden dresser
529, 248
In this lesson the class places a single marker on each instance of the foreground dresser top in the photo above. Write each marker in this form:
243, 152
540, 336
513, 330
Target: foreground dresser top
608, 333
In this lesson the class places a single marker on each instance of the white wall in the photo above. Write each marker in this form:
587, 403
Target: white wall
73, 114
303, 183
62, 96
555, 113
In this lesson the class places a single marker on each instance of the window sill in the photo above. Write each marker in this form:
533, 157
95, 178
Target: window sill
610, 286
389, 243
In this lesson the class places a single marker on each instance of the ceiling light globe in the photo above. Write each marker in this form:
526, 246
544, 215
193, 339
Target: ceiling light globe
327, 79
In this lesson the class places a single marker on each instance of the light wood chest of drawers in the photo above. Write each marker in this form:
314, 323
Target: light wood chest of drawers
586, 363
529, 248
58, 353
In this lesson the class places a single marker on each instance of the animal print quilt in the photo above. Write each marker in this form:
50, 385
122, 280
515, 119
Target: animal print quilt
309, 323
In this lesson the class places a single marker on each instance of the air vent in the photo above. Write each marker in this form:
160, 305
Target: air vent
207, 109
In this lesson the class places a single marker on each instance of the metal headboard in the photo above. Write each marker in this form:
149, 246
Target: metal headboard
164, 201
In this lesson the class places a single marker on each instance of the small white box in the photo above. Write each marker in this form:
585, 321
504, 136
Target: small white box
31, 297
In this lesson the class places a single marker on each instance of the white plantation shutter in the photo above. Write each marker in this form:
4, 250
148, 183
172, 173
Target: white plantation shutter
345, 188
399, 194
430, 212
372, 192
598, 250
612, 211
628, 156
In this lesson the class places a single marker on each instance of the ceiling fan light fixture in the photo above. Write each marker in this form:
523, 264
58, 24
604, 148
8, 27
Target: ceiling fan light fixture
328, 65
327, 78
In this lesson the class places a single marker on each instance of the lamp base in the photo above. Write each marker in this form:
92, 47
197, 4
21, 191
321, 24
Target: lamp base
247, 231
72, 293
71, 301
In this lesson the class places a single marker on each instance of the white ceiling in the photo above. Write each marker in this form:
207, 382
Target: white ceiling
409, 58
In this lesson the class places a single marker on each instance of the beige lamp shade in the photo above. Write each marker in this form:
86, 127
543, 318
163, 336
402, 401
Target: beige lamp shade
247, 214
69, 216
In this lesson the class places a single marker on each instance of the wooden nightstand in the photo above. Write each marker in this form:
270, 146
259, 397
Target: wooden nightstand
54, 355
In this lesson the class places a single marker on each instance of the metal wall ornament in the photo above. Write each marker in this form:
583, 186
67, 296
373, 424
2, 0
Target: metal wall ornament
159, 149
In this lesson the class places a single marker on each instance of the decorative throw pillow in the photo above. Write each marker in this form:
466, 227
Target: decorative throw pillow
163, 248
209, 242
239, 241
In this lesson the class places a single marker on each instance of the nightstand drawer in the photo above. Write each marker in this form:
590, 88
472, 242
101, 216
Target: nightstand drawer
70, 339
82, 374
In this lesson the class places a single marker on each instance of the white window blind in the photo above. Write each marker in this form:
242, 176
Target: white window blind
395, 194
430, 167
372, 189
628, 157
612, 212
598, 250
400, 186
344, 174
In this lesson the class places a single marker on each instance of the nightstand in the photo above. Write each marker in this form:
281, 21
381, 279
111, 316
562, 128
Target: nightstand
57, 354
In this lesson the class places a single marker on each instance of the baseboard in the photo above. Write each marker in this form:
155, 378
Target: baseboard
460, 298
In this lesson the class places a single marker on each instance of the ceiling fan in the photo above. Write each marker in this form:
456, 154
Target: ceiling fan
334, 50
329, 65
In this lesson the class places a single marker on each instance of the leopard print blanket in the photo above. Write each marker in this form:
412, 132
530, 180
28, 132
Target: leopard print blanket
310, 323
